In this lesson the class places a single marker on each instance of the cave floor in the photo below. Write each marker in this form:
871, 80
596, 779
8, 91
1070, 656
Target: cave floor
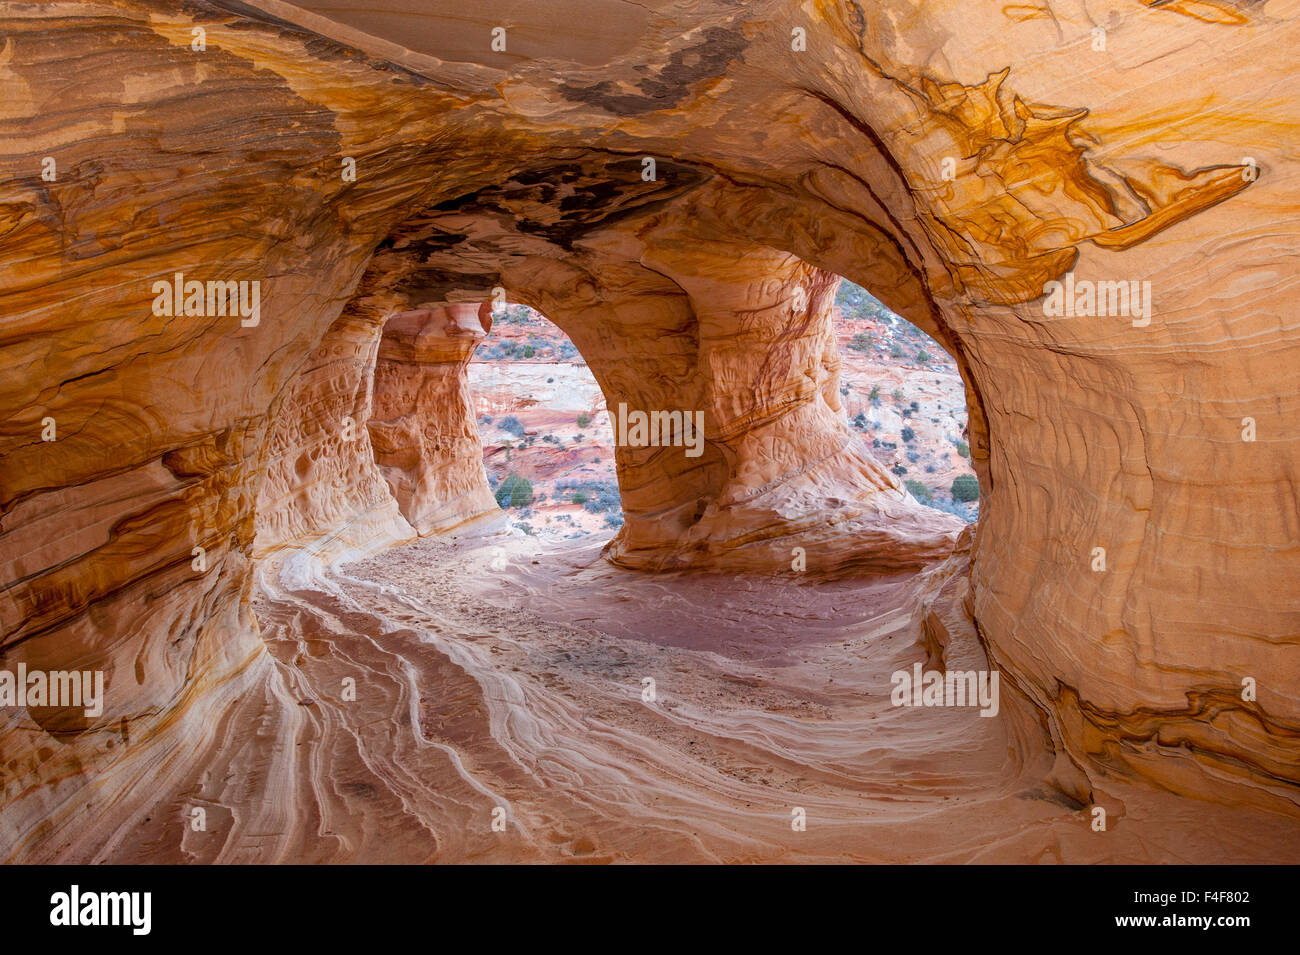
410, 699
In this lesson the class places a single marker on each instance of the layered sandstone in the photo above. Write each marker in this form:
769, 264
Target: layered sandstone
321, 488
426, 442
951, 158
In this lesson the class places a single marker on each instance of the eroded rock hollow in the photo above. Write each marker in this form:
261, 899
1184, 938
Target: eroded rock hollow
678, 190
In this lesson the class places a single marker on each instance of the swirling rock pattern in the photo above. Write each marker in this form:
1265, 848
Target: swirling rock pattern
952, 158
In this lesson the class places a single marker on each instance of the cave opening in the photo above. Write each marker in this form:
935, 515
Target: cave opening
904, 394
548, 447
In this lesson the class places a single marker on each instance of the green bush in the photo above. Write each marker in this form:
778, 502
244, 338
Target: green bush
595, 496
908, 434
966, 488
584, 419
962, 448
858, 304
923, 356
919, 491
514, 315
862, 342
514, 491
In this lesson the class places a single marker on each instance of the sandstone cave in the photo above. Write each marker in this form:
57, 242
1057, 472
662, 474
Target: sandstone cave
274, 534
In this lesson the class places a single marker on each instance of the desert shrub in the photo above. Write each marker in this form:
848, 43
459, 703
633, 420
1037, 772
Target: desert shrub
514, 315
923, 356
965, 488
597, 496
895, 350
862, 342
512, 425
919, 491
908, 435
953, 507
512, 349
962, 448
584, 420
515, 491
874, 397
857, 303
899, 470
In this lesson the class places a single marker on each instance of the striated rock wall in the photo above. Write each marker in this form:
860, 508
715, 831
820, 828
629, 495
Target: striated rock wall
132, 438
423, 429
791, 473
321, 488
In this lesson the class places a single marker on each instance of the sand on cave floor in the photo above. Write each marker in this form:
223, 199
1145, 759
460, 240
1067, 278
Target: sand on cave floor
410, 700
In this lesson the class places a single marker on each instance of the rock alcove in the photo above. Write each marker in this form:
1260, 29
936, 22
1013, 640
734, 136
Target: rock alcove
677, 191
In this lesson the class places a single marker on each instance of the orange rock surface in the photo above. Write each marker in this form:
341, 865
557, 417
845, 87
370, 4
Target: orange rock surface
422, 426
